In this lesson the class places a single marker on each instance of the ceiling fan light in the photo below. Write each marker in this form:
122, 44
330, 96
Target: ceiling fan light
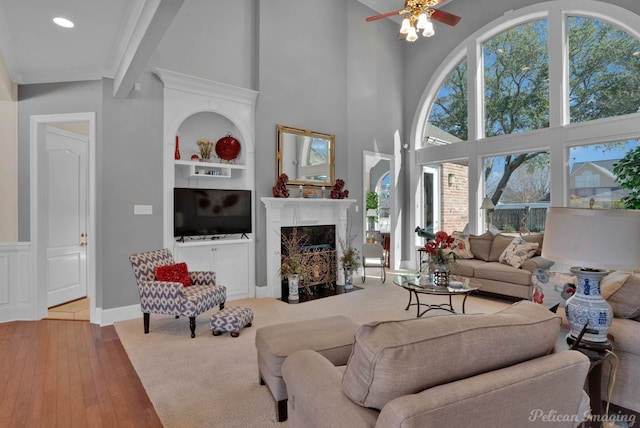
422, 21
412, 36
428, 30
404, 28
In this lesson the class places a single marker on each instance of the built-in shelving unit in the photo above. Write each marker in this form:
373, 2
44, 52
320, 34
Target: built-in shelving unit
197, 108
199, 169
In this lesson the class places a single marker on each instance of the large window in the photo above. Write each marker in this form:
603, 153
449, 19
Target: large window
604, 70
516, 80
448, 118
592, 181
553, 85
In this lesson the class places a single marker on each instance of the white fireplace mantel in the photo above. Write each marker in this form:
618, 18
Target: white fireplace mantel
288, 212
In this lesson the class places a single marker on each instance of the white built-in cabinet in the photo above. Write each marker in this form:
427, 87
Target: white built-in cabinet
196, 108
226, 257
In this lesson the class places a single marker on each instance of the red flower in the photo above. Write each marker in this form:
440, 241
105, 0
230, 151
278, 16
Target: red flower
437, 248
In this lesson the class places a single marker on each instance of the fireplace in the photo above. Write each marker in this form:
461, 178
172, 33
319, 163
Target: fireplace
319, 251
299, 212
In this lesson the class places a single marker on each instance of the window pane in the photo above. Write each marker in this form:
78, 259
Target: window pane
516, 80
591, 174
448, 117
604, 70
519, 187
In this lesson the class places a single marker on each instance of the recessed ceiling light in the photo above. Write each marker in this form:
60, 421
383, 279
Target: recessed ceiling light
63, 22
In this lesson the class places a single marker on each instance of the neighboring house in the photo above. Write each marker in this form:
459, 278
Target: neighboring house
594, 179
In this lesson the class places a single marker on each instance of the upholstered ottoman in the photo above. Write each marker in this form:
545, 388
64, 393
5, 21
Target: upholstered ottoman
332, 337
231, 319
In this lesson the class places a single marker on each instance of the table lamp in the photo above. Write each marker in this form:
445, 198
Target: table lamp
487, 205
593, 241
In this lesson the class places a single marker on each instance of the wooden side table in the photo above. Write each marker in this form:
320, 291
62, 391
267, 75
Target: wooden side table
597, 353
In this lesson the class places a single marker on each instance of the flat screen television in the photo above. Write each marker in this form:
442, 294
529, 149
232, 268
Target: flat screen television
210, 212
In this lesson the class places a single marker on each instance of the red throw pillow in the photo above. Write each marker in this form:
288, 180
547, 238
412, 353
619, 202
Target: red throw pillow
174, 273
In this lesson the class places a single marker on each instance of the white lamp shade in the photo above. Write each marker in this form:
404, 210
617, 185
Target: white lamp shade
412, 36
406, 24
371, 212
593, 238
487, 204
422, 21
428, 29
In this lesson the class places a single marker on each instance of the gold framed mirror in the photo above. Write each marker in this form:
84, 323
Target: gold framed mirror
307, 157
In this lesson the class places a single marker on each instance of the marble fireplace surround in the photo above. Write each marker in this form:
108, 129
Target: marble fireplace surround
289, 212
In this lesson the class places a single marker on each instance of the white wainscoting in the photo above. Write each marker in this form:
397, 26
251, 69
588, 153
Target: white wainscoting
17, 286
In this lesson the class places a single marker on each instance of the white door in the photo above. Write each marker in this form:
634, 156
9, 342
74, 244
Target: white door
66, 205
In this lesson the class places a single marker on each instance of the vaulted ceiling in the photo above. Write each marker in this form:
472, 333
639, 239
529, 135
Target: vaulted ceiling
111, 38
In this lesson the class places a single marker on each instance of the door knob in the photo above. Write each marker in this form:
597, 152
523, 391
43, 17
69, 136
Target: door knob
83, 244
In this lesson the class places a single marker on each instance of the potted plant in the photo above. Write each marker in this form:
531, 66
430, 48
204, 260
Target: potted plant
292, 262
205, 147
350, 259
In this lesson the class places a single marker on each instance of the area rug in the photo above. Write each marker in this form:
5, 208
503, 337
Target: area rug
213, 381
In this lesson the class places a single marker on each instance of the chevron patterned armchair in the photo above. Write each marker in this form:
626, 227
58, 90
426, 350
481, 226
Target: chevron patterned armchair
173, 298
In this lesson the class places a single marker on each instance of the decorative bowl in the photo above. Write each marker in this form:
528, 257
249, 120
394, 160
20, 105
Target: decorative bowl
228, 148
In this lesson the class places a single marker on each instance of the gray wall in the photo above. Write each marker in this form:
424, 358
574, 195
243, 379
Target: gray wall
316, 64
330, 73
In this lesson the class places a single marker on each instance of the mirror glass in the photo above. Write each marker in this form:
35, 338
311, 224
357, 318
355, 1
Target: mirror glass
307, 157
379, 199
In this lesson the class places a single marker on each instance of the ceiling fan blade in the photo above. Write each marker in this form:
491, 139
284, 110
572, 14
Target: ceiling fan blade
384, 15
445, 17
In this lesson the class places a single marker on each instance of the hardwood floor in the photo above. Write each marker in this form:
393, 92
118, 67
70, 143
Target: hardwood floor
58, 373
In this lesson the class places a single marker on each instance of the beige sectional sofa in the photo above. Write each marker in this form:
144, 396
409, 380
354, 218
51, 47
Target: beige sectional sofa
486, 271
484, 370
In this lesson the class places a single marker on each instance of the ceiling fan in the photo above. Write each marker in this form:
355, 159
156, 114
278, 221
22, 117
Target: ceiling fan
418, 15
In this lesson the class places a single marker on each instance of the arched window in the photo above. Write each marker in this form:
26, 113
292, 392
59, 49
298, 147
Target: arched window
553, 83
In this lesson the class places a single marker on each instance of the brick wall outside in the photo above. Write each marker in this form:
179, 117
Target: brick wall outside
455, 197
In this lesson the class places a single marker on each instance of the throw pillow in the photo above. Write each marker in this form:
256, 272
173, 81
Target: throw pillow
622, 291
517, 252
550, 288
461, 246
174, 273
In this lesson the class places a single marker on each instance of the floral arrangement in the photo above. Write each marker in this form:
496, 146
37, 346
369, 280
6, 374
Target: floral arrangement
293, 260
205, 147
350, 255
440, 249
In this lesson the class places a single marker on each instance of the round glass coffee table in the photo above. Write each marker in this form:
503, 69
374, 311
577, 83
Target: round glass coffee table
411, 283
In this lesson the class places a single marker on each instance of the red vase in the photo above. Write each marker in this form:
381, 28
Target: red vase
176, 155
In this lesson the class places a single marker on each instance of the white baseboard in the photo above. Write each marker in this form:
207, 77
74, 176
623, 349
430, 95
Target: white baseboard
262, 292
123, 313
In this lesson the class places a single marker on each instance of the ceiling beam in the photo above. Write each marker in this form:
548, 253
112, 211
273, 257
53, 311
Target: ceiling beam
154, 21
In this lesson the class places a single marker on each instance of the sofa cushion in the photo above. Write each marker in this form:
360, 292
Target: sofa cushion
461, 246
465, 267
501, 272
499, 244
395, 358
536, 262
481, 245
622, 291
517, 252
